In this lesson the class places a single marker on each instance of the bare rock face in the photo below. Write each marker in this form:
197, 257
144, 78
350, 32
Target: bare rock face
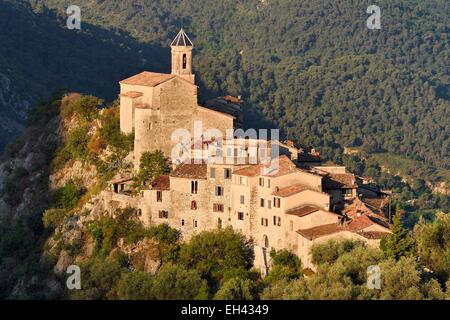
144, 254
74, 170
64, 261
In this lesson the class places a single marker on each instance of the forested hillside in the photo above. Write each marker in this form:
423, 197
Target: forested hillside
311, 68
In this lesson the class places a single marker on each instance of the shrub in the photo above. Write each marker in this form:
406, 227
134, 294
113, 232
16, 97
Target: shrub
68, 196
152, 165
52, 218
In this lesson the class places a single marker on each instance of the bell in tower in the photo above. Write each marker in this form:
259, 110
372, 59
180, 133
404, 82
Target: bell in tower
182, 56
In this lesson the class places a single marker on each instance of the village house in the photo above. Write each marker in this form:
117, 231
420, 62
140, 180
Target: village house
293, 207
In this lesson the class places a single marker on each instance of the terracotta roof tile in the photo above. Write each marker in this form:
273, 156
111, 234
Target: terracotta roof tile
161, 183
290, 191
302, 211
339, 181
148, 79
191, 171
320, 231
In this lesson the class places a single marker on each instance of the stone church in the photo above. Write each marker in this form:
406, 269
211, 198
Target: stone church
154, 105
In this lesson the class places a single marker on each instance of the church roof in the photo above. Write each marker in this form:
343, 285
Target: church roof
182, 40
148, 79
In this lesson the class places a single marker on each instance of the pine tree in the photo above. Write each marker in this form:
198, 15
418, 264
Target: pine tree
399, 243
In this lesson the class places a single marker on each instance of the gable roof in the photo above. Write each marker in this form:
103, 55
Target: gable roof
190, 171
148, 79
289, 191
339, 181
302, 210
182, 40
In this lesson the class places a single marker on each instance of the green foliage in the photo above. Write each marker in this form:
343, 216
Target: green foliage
285, 265
53, 217
134, 285
212, 253
176, 282
285, 289
399, 243
237, 289
99, 276
85, 107
330, 251
152, 165
433, 245
68, 196
106, 231
110, 130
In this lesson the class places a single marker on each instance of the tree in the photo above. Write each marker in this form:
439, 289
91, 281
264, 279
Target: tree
237, 289
215, 253
152, 165
433, 244
134, 285
286, 290
399, 243
285, 265
175, 282
331, 250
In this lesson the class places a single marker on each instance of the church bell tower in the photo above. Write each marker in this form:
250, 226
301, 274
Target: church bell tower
182, 56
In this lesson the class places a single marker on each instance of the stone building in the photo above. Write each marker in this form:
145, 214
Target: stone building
157, 105
293, 207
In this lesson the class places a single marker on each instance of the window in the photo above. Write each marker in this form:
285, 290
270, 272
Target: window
242, 180
264, 222
276, 221
194, 187
184, 61
163, 214
193, 205
182, 222
242, 199
291, 225
158, 196
347, 192
276, 202
194, 223
261, 182
227, 173
261, 203
268, 183
218, 207
212, 173
219, 191
269, 204
240, 215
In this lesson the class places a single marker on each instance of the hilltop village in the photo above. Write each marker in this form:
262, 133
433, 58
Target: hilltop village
282, 200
